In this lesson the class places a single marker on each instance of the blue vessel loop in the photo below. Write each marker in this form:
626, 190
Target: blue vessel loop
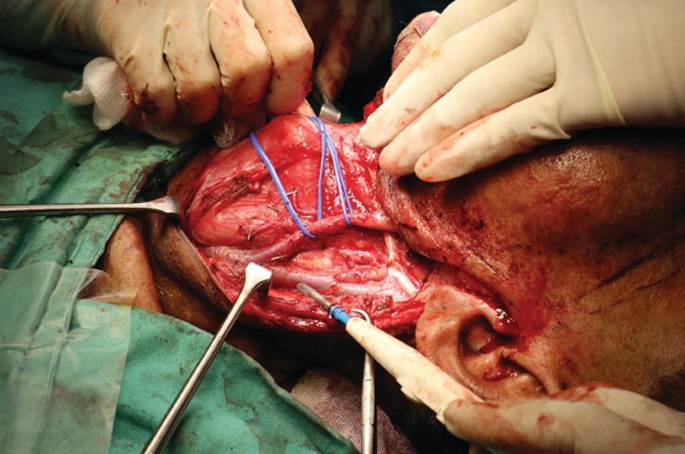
279, 186
326, 147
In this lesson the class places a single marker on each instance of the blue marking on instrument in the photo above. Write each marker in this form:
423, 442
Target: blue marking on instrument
339, 314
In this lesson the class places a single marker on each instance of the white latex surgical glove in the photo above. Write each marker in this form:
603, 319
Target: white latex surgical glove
183, 59
494, 78
584, 420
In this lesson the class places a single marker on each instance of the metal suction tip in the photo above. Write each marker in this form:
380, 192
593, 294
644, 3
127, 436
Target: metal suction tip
316, 296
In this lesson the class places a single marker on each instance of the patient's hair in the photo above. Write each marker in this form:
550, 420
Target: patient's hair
670, 390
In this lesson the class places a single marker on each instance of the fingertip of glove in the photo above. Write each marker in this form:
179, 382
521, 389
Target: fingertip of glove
369, 134
397, 161
432, 171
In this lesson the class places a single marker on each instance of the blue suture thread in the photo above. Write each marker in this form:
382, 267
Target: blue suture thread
339, 314
279, 186
322, 170
342, 188
327, 145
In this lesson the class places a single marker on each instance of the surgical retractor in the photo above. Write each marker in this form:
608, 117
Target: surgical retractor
255, 276
165, 205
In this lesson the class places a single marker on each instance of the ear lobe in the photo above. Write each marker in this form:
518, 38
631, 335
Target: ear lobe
475, 343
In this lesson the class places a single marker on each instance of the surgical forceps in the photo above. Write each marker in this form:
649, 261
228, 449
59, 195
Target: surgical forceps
368, 398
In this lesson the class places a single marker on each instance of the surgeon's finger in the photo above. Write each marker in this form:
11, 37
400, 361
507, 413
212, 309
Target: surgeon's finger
291, 50
456, 58
336, 57
243, 59
514, 130
547, 425
521, 73
458, 16
152, 85
189, 58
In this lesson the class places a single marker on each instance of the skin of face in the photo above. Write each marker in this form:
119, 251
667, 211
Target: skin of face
563, 267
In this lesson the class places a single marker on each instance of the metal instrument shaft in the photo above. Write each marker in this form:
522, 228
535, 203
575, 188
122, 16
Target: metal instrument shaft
165, 205
255, 276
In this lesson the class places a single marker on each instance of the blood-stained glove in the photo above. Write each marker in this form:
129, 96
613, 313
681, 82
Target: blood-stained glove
587, 419
348, 36
494, 78
182, 59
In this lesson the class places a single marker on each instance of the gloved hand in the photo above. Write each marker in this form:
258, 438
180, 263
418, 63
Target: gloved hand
587, 419
494, 78
348, 36
185, 59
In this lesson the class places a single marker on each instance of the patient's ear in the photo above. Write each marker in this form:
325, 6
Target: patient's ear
476, 343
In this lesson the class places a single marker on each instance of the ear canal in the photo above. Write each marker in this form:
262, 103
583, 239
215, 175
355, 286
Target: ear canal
476, 343
490, 359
